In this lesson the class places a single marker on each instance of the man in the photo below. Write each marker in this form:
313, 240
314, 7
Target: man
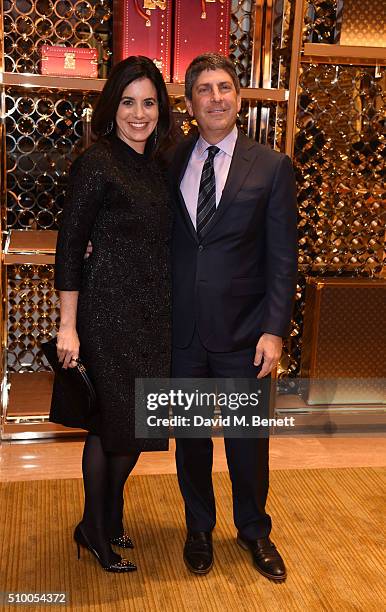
234, 278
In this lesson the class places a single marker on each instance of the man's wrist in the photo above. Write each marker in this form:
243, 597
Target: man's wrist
273, 335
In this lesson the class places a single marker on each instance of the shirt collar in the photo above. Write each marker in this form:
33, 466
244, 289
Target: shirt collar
226, 145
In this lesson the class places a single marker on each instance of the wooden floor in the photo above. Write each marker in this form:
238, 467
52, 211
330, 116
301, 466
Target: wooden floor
327, 569
327, 523
62, 458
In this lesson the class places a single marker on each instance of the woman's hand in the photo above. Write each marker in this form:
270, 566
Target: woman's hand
88, 250
68, 346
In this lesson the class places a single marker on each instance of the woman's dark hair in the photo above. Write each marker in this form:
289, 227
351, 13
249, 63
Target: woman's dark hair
125, 72
209, 61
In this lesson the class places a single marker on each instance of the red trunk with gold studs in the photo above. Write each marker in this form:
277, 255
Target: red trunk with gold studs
200, 26
68, 61
143, 27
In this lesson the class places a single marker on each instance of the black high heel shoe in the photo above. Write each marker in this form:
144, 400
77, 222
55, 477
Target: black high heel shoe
124, 541
119, 567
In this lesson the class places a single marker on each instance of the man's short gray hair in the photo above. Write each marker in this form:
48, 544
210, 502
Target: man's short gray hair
209, 61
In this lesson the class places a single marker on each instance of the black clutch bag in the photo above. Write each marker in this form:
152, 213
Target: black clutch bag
73, 385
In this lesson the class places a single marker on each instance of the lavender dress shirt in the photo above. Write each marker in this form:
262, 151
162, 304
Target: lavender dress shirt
190, 183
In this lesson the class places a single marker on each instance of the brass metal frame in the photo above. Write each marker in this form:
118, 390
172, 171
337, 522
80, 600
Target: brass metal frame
81, 84
3, 285
294, 76
262, 70
1, 38
256, 63
266, 69
315, 53
257, 36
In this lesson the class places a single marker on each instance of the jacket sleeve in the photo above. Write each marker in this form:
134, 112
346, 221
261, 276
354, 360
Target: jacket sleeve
281, 250
84, 198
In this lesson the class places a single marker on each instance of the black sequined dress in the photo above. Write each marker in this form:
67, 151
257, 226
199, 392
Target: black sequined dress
119, 200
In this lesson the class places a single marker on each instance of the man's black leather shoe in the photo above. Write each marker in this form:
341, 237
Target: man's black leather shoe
198, 552
265, 556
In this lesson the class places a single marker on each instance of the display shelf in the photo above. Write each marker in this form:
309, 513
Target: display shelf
29, 395
364, 281
274, 95
29, 399
318, 53
80, 84
343, 420
324, 420
30, 247
32, 431
51, 82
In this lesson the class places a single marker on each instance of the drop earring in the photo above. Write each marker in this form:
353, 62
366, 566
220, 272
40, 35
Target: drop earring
109, 128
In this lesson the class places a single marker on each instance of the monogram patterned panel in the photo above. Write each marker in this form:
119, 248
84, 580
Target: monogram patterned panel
28, 24
361, 313
363, 23
350, 360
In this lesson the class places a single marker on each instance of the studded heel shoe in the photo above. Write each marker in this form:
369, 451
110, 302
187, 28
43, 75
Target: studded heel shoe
124, 541
118, 567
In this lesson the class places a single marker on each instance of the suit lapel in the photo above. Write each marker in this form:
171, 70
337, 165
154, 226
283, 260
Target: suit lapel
244, 155
179, 170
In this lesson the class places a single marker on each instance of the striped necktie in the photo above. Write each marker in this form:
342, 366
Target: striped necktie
206, 206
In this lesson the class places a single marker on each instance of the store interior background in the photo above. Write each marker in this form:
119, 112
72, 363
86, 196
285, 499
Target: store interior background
313, 86
313, 81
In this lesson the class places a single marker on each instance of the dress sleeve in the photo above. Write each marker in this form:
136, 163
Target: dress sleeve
84, 198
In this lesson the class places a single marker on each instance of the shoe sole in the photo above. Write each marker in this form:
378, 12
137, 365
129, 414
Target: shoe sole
262, 572
196, 571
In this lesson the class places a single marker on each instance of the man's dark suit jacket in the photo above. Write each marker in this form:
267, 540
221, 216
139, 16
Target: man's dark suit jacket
239, 280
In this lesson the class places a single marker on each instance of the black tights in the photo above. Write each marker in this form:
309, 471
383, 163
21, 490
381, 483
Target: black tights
104, 477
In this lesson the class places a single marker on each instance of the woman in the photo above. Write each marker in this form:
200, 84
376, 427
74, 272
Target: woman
115, 304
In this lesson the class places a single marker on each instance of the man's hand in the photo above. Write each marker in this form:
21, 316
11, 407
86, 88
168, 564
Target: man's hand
268, 350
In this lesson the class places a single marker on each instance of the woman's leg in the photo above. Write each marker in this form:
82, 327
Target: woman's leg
118, 469
95, 480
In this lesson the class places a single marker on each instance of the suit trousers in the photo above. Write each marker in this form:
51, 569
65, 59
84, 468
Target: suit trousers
247, 458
